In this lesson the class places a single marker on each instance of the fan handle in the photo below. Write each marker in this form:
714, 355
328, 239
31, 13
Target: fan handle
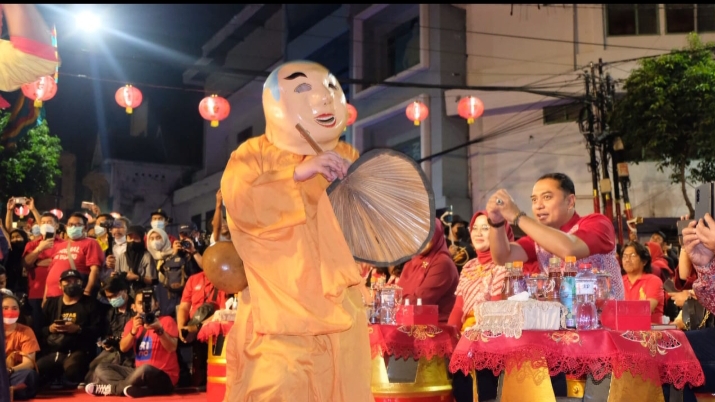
306, 136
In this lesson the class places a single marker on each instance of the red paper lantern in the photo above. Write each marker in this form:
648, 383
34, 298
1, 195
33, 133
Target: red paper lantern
214, 108
128, 97
417, 112
41, 90
470, 108
22, 211
58, 213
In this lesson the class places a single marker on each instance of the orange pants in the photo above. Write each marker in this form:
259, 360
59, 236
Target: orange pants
282, 368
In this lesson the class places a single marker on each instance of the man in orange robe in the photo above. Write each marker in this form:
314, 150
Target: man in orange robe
300, 332
29, 53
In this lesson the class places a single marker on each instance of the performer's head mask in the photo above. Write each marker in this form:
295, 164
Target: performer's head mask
305, 93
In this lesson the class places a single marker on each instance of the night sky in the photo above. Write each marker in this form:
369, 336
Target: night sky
138, 44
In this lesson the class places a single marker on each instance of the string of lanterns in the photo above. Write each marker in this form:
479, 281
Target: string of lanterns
215, 108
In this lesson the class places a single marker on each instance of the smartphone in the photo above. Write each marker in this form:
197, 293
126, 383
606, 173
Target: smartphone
669, 286
87, 205
60, 322
49, 235
20, 200
704, 200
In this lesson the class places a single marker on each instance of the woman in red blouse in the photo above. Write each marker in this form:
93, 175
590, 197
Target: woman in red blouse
639, 283
432, 275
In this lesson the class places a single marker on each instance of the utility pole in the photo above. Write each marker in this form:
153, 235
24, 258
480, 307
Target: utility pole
590, 138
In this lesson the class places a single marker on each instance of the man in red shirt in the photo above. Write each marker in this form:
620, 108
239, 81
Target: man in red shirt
86, 257
37, 258
560, 231
157, 367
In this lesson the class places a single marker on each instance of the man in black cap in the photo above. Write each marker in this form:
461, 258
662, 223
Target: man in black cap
120, 312
191, 232
70, 338
136, 263
159, 220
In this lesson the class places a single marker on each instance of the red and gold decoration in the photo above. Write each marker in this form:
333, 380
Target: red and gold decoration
407, 346
214, 108
417, 112
58, 213
216, 368
470, 108
43, 89
128, 97
643, 359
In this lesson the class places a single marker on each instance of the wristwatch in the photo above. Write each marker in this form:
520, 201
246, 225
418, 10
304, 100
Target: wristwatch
495, 225
515, 223
159, 331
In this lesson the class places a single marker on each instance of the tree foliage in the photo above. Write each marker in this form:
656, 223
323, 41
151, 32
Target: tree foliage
668, 112
31, 167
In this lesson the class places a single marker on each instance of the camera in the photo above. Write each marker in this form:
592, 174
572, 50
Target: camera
20, 201
186, 244
111, 342
148, 315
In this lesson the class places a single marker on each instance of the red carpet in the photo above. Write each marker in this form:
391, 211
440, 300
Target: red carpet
81, 396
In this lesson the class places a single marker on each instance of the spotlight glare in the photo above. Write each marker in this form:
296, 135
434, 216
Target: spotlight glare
88, 21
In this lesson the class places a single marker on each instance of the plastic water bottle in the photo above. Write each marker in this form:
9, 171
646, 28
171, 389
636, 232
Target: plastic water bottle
567, 291
585, 304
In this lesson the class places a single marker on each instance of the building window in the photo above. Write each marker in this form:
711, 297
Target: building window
632, 19
302, 17
244, 135
562, 113
686, 18
393, 132
411, 148
390, 42
335, 56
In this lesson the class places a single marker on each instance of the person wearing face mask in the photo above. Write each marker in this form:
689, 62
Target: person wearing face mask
100, 232
71, 336
159, 219
17, 275
136, 262
35, 232
20, 349
37, 257
79, 253
173, 266
120, 313
555, 231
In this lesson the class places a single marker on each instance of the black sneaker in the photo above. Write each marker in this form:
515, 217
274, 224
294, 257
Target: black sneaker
99, 389
137, 392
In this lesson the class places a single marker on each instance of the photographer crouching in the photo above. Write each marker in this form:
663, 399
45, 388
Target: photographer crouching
119, 314
153, 339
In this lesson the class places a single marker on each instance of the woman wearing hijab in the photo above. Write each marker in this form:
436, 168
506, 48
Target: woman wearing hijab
432, 275
658, 262
481, 280
16, 275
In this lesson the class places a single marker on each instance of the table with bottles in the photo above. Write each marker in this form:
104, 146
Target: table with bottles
409, 362
616, 365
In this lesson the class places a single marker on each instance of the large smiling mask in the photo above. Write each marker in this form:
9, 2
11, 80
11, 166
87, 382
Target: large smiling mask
305, 93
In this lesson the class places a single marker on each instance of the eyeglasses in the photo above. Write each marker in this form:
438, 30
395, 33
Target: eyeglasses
629, 256
483, 228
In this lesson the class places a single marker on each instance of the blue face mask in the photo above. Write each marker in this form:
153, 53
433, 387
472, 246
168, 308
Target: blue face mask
117, 301
157, 224
74, 233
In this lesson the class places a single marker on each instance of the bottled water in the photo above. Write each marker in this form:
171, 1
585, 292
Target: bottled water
567, 290
585, 303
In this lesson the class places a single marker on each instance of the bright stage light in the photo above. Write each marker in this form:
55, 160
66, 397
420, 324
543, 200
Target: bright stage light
88, 21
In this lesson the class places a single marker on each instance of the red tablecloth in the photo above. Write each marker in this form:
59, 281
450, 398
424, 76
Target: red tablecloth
415, 341
213, 329
664, 357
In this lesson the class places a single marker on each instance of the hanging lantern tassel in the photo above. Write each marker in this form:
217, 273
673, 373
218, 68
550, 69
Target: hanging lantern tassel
214, 123
38, 103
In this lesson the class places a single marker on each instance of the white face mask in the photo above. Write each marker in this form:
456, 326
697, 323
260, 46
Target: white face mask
157, 224
46, 228
157, 244
36, 230
99, 231
9, 321
119, 239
